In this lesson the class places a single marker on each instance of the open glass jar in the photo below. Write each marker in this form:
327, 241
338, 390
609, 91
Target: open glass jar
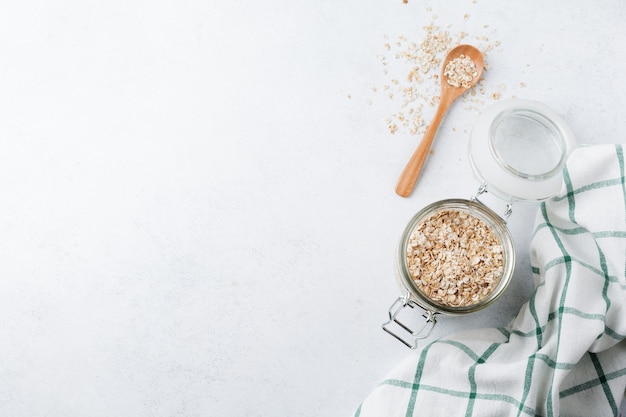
457, 256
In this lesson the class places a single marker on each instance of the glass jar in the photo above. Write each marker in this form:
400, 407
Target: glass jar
517, 150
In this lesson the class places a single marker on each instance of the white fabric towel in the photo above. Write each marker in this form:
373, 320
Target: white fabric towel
564, 354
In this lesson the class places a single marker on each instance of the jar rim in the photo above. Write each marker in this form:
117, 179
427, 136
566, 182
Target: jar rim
538, 123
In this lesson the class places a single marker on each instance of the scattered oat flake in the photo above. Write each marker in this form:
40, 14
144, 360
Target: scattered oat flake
411, 66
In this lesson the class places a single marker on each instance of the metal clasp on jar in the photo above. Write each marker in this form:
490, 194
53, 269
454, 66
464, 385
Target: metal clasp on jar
403, 331
482, 190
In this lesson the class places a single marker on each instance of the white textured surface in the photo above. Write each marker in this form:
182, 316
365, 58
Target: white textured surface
197, 215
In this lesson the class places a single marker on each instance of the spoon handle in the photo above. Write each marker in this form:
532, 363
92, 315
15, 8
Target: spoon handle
411, 172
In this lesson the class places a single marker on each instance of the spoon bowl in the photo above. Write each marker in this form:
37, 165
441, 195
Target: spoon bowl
449, 93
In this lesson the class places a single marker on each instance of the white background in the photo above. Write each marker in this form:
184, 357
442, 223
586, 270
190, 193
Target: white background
197, 215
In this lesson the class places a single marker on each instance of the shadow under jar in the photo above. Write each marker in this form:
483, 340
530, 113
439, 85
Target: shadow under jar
457, 256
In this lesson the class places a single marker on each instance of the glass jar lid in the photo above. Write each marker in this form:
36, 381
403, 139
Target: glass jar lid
518, 149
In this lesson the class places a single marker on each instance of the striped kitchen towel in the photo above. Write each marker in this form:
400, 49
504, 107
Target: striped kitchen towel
564, 354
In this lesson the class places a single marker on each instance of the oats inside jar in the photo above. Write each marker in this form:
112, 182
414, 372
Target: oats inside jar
455, 258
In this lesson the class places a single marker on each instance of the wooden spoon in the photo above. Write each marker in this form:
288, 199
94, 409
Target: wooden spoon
449, 94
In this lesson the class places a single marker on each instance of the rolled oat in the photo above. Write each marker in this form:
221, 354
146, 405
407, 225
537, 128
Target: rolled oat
460, 72
454, 258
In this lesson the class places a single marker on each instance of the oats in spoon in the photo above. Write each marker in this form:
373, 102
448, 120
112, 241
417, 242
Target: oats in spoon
460, 71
